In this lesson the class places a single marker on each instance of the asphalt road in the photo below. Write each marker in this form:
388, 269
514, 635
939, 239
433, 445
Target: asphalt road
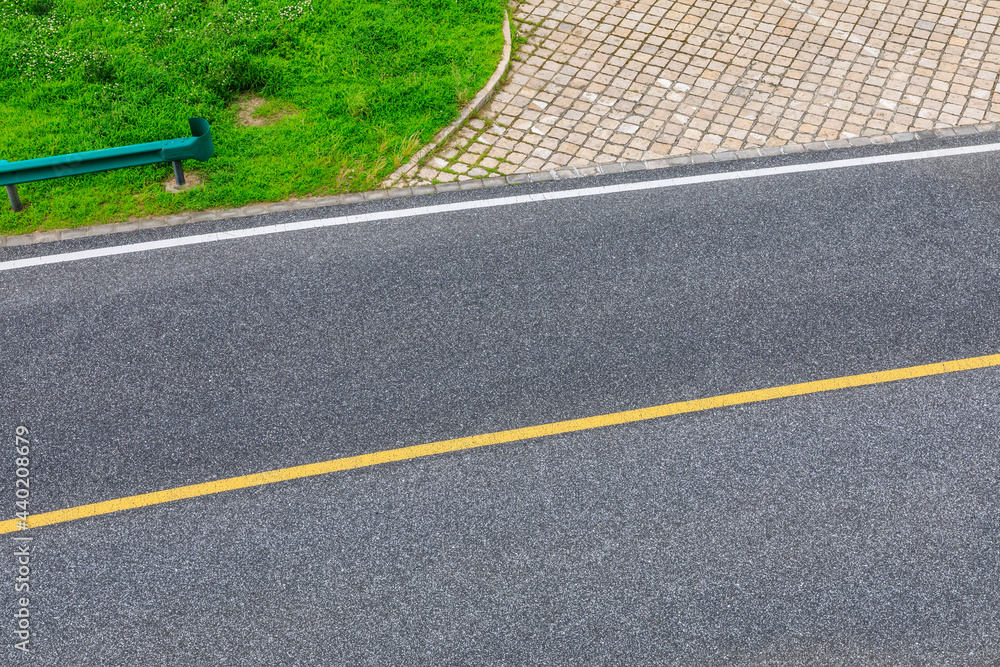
852, 527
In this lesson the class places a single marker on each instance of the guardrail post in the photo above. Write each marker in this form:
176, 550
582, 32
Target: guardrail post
15, 201
178, 172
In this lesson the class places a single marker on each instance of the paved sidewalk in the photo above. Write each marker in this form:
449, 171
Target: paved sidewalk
598, 82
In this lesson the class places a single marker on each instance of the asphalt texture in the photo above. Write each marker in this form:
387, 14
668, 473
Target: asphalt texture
853, 527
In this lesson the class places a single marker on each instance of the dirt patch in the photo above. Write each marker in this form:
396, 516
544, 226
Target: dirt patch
245, 108
255, 111
192, 179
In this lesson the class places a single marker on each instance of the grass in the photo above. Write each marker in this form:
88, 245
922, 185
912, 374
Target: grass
353, 88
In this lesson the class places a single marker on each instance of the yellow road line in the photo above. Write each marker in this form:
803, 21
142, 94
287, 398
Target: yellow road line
528, 433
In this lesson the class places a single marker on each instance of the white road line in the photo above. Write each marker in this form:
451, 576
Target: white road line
491, 203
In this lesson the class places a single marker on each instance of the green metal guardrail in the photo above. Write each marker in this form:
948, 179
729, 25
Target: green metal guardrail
197, 147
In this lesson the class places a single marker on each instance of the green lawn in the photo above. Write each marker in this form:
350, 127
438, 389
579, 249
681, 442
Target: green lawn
353, 88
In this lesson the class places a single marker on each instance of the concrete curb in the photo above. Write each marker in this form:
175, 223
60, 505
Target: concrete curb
495, 181
477, 103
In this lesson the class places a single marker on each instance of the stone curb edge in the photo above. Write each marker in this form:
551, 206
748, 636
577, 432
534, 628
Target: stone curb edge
495, 181
478, 102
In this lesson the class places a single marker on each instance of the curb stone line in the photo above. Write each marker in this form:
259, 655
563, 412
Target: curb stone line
478, 102
491, 182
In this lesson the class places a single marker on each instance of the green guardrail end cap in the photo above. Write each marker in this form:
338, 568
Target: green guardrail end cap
202, 148
199, 126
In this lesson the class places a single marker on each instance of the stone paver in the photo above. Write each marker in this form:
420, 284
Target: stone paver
602, 82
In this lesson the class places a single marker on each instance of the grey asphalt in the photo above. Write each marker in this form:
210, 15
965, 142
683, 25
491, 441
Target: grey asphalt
854, 527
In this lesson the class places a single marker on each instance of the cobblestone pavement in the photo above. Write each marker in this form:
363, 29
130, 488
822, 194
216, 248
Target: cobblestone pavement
599, 82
